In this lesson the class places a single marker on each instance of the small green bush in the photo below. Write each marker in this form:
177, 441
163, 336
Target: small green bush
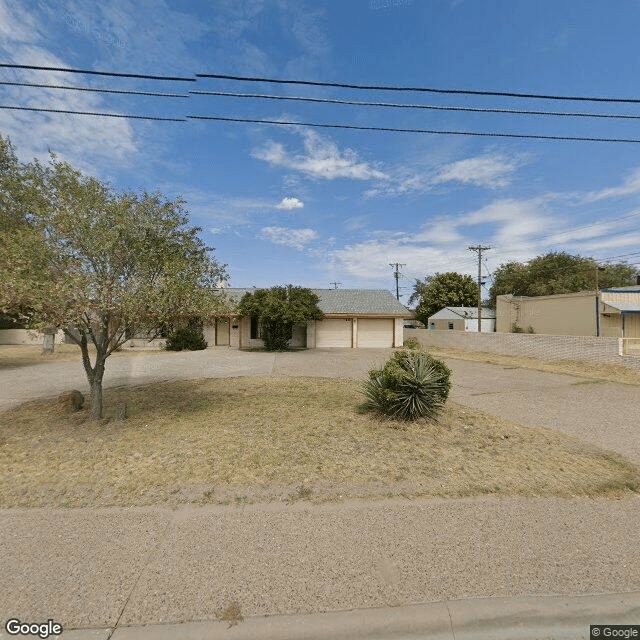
411, 385
412, 343
516, 328
186, 339
530, 329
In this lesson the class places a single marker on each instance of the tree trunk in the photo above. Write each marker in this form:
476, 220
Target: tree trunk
96, 388
94, 375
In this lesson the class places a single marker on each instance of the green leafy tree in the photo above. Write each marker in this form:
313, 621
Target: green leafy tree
277, 310
558, 272
98, 264
449, 289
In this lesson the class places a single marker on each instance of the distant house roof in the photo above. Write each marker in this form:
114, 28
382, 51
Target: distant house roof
631, 306
634, 288
466, 313
346, 301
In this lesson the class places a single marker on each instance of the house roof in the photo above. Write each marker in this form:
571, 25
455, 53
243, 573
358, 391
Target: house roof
346, 301
634, 288
455, 313
623, 306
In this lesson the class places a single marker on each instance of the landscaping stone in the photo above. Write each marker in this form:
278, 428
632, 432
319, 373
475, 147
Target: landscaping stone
71, 401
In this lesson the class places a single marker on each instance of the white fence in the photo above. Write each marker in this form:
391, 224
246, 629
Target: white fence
622, 351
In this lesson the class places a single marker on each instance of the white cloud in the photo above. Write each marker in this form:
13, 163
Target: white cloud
630, 240
515, 220
630, 187
369, 261
297, 238
322, 159
493, 171
289, 204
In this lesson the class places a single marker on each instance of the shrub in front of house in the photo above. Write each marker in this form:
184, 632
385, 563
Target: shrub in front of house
186, 339
411, 385
412, 343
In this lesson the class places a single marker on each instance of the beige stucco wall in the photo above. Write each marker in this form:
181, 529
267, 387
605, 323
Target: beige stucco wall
632, 325
561, 315
26, 336
398, 331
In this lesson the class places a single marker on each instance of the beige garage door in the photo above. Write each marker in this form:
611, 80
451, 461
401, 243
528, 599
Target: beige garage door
222, 332
375, 332
335, 332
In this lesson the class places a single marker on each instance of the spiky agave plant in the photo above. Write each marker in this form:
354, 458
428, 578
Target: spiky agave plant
418, 393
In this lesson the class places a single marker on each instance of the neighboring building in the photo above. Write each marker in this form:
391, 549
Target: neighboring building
462, 319
611, 312
352, 318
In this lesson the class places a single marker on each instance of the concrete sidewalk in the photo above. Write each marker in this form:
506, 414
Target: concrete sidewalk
526, 618
360, 569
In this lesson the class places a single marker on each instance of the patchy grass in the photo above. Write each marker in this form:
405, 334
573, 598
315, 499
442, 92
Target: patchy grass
596, 371
238, 440
231, 614
13, 356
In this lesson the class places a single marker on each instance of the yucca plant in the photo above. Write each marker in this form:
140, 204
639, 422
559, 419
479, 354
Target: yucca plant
408, 387
420, 393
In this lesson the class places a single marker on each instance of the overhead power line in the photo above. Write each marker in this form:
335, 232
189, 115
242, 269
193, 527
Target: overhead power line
493, 134
93, 113
406, 105
484, 134
373, 87
99, 90
33, 67
531, 242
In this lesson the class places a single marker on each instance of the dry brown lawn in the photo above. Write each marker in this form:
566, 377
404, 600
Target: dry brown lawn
259, 439
599, 371
12, 356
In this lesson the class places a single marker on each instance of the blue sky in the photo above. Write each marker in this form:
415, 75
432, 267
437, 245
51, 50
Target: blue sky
285, 204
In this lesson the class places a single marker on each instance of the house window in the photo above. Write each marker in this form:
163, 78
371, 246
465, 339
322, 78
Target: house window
451, 325
255, 329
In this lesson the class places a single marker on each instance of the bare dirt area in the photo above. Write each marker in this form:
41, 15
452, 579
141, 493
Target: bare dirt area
251, 439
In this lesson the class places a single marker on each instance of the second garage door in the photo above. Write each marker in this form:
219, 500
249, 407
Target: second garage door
333, 332
375, 332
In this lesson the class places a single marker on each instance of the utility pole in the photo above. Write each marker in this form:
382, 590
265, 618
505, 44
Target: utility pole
479, 248
397, 265
335, 284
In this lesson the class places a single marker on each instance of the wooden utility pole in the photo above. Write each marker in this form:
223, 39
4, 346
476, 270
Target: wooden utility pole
479, 248
397, 265
335, 284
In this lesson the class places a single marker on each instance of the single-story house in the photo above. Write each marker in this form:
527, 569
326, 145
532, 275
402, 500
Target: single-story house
613, 312
462, 319
353, 318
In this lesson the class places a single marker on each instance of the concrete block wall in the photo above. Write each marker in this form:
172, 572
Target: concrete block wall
547, 347
26, 336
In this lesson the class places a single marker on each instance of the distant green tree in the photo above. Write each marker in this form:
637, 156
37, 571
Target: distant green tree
277, 310
449, 289
557, 272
